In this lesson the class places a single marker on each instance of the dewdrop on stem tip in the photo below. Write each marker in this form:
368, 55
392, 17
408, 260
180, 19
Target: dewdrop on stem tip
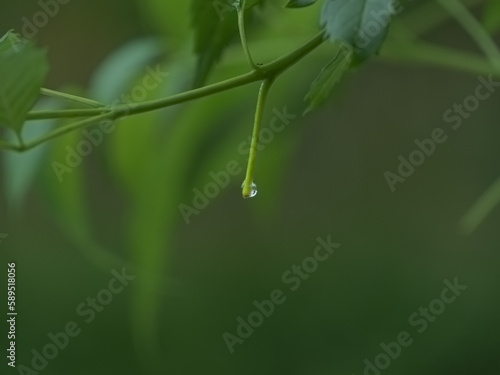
253, 190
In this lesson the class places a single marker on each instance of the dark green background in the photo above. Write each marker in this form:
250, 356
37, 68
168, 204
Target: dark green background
397, 248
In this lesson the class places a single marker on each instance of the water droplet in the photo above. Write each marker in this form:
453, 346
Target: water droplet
253, 192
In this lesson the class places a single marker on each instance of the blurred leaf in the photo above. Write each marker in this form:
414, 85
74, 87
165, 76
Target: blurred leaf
65, 183
10, 42
353, 22
329, 76
251, 3
216, 25
491, 16
151, 181
161, 184
299, 3
23, 69
271, 174
170, 17
114, 75
21, 169
160, 157
131, 146
481, 208
151, 228
135, 138
66, 192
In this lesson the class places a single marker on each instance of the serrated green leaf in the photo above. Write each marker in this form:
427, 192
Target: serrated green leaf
299, 3
491, 16
329, 76
23, 69
362, 24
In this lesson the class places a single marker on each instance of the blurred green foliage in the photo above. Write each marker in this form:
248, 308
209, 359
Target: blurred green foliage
322, 175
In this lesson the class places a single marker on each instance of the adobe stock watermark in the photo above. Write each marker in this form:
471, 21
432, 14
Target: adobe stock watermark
454, 117
31, 26
293, 278
221, 179
419, 321
94, 137
87, 311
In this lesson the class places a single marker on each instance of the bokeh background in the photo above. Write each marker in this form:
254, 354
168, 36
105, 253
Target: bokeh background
322, 176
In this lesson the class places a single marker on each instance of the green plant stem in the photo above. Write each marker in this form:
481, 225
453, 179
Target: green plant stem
243, 35
266, 72
406, 50
416, 52
71, 98
259, 114
66, 129
474, 28
64, 113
